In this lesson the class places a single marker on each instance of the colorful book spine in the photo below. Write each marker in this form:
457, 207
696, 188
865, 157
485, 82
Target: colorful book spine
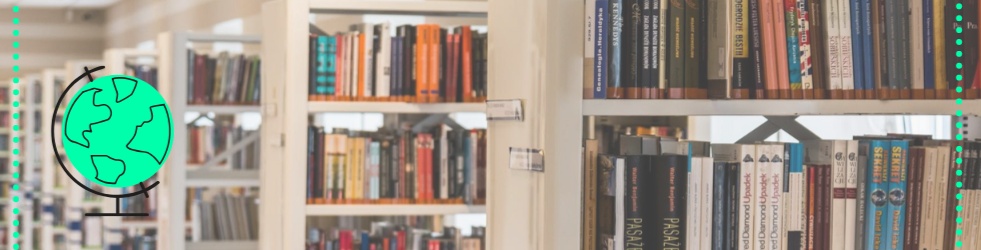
775, 197
793, 48
747, 198
929, 64
804, 43
330, 66
601, 57
614, 87
779, 39
896, 205
877, 184
742, 64
795, 217
854, 17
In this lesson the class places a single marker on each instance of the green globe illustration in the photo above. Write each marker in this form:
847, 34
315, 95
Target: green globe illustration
117, 131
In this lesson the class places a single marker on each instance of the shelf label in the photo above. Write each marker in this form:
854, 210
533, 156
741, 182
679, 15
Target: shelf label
526, 159
504, 110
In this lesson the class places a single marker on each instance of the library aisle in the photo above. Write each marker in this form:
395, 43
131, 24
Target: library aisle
485, 125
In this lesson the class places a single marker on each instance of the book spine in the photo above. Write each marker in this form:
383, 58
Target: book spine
818, 33
676, 45
601, 29
694, 203
939, 47
896, 205
860, 204
804, 43
876, 195
669, 185
733, 205
383, 62
905, 69
795, 219
831, 40
719, 206
867, 51
914, 192
369, 60
741, 63
693, 39
851, 189
635, 227
719, 35
915, 48
857, 51
331, 66
756, 79
589, 48
848, 79
768, 39
839, 186
893, 46
821, 240
614, 84
630, 57
793, 48
810, 230
657, 47
706, 215
779, 39
646, 44
748, 199
663, 35
775, 197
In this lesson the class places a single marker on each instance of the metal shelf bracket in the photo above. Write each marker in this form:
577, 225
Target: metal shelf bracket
774, 124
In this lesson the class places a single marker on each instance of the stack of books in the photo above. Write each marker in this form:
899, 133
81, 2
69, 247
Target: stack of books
781, 49
872, 192
441, 166
421, 63
223, 79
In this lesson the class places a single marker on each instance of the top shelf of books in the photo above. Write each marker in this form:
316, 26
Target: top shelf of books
394, 107
401, 7
776, 107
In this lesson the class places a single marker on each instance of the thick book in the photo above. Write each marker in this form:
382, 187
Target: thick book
833, 52
769, 42
630, 56
857, 50
893, 49
706, 215
591, 194
905, 69
669, 189
917, 158
860, 204
741, 160
793, 49
638, 175
694, 202
876, 195
614, 87
368, 59
811, 195
754, 48
677, 44
646, 81
804, 43
601, 29
383, 60
774, 198
818, 34
780, 38
845, 59
879, 49
867, 51
917, 52
693, 38
896, 197
793, 197
723, 22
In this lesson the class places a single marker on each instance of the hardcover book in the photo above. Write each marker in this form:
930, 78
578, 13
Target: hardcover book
896, 205
669, 187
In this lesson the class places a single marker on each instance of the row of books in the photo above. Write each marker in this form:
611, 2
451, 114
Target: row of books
225, 214
146, 240
207, 142
147, 73
139, 203
781, 49
874, 192
395, 238
443, 165
421, 63
225, 79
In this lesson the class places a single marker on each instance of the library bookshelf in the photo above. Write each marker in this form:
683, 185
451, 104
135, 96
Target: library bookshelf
179, 175
53, 180
26, 152
8, 159
286, 110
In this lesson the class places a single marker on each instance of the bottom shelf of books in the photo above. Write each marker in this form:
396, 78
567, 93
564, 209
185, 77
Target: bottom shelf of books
869, 192
401, 232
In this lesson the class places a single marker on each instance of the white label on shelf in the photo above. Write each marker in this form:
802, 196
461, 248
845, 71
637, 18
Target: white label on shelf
504, 110
526, 159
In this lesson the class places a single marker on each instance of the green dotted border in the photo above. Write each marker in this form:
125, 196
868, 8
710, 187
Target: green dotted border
959, 77
15, 175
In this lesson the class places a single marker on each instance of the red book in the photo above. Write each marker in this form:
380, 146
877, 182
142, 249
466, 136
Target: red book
345, 240
199, 78
467, 83
339, 66
811, 208
400, 240
422, 62
428, 155
434, 62
420, 187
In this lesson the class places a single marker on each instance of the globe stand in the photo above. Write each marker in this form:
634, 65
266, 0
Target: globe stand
144, 190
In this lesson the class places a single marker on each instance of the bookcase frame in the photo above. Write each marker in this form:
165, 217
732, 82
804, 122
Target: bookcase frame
172, 75
285, 111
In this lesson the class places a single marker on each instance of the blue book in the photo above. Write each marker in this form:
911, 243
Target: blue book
718, 205
876, 182
896, 207
793, 49
320, 82
867, 65
857, 50
928, 60
375, 153
467, 170
794, 155
615, 43
601, 29
365, 242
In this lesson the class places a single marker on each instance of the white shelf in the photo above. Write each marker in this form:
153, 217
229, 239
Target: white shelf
138, 224
222, 178
401, 7
394, 107
240, 245
385, 209
775, 107
222, 109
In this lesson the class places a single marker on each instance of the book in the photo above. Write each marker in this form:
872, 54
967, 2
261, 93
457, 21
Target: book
770, 43
896, 205
780, 37
678, 40
793, 48
694, 202
774, 201
693, 49
719, 200
756, 51
851, 196
601, 29
615, 88
669, 184
725, 78
858, 52
845, 58
877, 185
743, 158
590, 33
638, 173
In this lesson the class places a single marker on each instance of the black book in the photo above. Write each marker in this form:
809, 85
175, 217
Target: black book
312, 66
407, 33
605, 197
444, 53
630, 54
637, 202
751, 71
647, 54
970, 49
693, 43
702, 49
384, 185
669, 189
719, 205
311, 149
677, 38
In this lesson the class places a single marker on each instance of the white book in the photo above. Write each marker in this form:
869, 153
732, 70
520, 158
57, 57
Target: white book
794, 198
706, 210
589, 46
916, 44
845, 44
621, 181
369, 58
851, 185
927, 228
444, 164
803, 24
720, 43
839, 187
832, 38
694, 203
761, 193
775, 191
663, 45
384, 61
351, 64
330, 146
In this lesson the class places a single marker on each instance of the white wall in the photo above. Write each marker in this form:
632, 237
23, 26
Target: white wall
728, 129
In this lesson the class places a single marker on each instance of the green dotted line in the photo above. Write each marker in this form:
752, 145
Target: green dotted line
960, 136
15, 139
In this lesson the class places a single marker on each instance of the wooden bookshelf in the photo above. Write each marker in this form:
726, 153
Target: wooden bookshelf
286, 110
